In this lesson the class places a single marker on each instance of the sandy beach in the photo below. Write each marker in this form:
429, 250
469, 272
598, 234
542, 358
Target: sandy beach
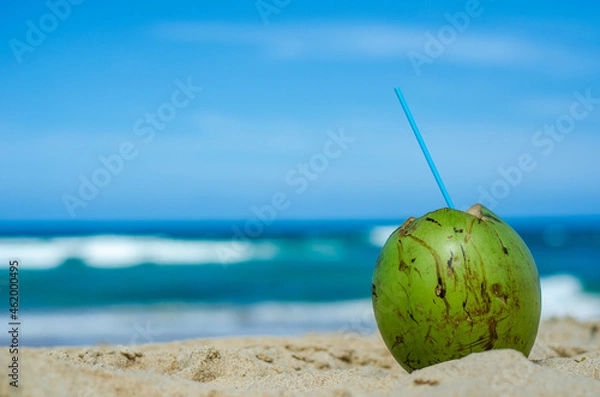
565, 361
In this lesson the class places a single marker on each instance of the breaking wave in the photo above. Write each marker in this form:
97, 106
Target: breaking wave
125, 251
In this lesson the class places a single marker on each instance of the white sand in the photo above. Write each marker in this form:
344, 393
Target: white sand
564, 362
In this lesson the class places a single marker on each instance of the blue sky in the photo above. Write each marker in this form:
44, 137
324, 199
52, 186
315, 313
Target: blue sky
272, 96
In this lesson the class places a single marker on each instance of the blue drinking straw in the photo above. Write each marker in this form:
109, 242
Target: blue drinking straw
415, 129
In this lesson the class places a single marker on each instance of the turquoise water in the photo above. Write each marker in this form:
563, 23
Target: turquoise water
81, 272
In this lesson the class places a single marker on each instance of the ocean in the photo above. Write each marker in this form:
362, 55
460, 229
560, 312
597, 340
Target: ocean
141, 281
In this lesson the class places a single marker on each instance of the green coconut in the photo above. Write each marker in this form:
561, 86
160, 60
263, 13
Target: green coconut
453, 283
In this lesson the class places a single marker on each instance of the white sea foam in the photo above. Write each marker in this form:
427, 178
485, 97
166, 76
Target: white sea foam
115, 251
37, 253
561, 296
122, 251
379, 235
144, 324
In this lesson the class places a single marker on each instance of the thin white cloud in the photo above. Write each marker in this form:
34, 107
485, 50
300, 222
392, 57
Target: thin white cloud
381, 41
298, 41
